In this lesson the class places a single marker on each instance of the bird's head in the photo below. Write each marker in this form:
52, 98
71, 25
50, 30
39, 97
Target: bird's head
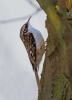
24, 28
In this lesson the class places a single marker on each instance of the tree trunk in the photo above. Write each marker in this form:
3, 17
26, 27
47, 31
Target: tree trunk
56, 80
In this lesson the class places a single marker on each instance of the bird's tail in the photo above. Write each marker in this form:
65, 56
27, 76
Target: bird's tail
37, 80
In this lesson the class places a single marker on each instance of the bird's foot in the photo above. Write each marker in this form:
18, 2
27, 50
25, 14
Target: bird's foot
45, 45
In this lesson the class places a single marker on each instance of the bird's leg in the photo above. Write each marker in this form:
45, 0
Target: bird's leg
45, 45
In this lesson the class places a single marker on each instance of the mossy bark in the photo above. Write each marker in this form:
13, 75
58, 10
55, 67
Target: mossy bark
56, 74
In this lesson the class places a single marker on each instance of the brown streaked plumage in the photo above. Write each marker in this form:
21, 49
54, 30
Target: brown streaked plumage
34, 44
30, 45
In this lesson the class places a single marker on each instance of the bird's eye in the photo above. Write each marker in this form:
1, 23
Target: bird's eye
26, 26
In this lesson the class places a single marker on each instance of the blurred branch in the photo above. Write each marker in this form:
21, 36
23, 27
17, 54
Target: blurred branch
32, 4
20, 18
38, 9
25, 17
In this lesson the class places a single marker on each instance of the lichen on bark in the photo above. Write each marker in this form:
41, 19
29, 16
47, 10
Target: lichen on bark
55, 80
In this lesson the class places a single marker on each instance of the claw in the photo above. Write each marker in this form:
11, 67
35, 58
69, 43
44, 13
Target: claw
45, 45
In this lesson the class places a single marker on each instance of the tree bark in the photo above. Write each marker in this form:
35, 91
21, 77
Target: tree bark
56, 80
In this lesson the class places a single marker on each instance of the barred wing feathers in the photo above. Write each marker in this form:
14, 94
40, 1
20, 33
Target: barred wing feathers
30, 45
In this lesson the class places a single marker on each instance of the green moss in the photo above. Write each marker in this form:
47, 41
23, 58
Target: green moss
55, 85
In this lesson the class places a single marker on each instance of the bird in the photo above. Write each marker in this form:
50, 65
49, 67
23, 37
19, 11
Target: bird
35, 46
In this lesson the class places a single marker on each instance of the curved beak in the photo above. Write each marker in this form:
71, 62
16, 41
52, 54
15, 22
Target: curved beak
29, 19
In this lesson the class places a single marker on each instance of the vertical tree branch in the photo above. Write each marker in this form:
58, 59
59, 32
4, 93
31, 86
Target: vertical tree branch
54, 83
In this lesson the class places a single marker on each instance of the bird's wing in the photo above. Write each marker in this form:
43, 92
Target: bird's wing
30, 45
